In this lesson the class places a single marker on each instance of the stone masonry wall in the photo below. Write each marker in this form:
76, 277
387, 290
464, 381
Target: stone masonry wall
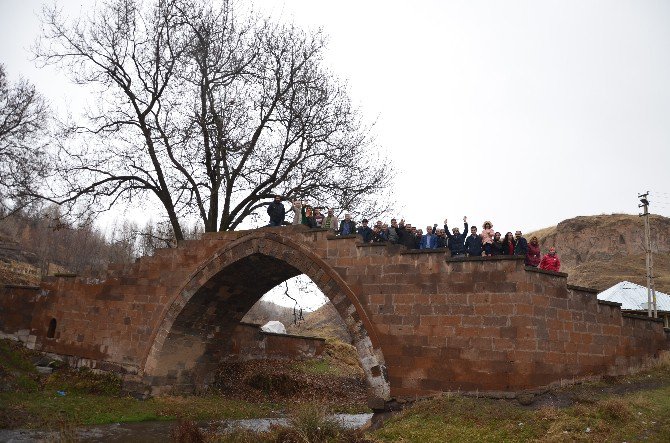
17, 304
250, 343
423, 322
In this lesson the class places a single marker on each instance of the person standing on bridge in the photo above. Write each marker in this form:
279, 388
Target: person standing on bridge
308, 217
347, 226
456, 240
487, 237
380, 235
296, 207
318, 217
441, 239
365, 231
551, 262
276, 211
429, 239
508, 244
393, 235
473, 244
533, 254
521, 245
406, 235
497, 246
330, 221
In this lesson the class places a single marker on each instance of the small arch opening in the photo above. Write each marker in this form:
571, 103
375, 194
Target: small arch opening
51, 332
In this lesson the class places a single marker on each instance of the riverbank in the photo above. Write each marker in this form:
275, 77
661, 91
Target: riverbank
69, 397
632, 408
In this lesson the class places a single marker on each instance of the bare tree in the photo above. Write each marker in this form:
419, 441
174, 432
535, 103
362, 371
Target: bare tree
210, 111
23, 126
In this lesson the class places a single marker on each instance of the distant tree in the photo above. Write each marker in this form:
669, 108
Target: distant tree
23, 126
209, 111
154, 237
123, 243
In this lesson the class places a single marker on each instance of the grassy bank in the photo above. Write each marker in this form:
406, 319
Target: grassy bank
76, 397
634, 417
633, 408
46, 409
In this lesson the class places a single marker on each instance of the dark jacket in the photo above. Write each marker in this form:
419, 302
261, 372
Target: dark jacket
380, 237
521, 247
366, 233
457, 242
308, 221
352, 227
406, 238
506, 248
473, 245
497, 248
277, 212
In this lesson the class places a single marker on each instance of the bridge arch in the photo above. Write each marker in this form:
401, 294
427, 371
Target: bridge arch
195, 328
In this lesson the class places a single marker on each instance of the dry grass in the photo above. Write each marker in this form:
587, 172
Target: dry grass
187, 431
615, 409
634, 408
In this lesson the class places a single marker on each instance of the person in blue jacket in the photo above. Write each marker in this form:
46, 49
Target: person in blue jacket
473, 244
429, 239
456, 240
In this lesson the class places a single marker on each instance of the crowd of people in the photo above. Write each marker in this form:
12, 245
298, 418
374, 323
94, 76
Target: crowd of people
487, 243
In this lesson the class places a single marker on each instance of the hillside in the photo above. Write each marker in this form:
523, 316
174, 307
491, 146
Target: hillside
325, 322
20, 267
602, 250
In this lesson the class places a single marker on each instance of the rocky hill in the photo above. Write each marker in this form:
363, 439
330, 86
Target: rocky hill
601, 250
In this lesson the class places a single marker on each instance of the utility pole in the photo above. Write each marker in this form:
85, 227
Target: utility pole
651, 292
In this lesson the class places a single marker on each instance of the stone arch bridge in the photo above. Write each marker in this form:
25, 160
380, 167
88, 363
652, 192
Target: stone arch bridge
422, 322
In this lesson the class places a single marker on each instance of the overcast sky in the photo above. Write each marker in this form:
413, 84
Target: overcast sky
524, 113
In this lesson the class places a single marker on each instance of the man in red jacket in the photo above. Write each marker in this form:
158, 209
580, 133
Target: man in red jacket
551, 262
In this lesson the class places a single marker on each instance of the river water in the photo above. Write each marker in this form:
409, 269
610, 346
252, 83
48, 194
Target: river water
159, 431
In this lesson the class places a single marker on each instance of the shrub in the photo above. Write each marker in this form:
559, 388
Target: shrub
309, 424
615, 409
187, 431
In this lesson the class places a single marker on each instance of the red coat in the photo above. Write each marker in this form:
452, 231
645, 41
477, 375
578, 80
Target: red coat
550, 263
533, 255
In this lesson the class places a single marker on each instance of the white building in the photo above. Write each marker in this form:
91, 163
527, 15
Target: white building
633, 298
